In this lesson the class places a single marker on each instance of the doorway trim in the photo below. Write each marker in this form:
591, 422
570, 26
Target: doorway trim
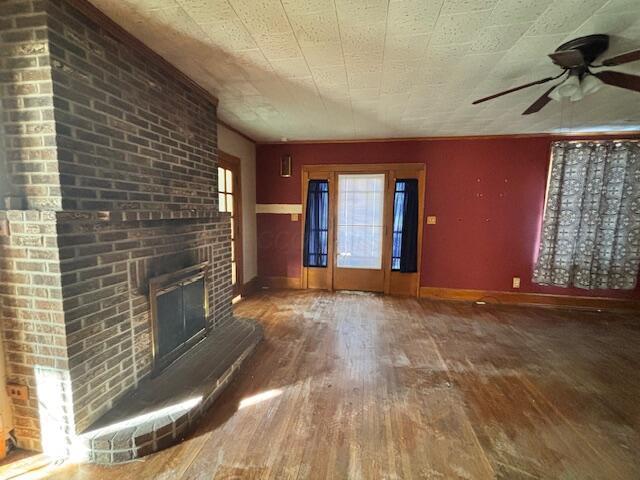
403, 283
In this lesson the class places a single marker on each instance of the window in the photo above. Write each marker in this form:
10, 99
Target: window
398, 209
316, 227
226, 204
360, 220
404, 244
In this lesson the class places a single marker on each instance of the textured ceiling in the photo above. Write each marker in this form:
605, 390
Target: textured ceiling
347, 69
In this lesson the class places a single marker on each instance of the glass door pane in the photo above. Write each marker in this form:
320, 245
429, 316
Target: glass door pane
226, 204
360, 220
222, 207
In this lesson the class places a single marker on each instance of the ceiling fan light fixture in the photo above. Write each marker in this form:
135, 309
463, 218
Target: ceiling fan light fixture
569, 87
575, 58
578, 95
555, 95
591, 84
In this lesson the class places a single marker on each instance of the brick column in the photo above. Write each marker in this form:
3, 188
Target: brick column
33, 324
111, 158
30, 283
27, 108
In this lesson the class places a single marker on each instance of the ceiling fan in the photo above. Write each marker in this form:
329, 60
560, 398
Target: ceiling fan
576, 60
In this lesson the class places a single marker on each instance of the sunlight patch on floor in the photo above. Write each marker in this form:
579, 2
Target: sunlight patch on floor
259, 397
34, 467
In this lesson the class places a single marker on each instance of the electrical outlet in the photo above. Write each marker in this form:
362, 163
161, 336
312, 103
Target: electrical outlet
294, 217
431, 220
19, 392
516, 282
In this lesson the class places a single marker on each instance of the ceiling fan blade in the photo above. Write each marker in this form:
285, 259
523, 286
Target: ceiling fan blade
540, 102
568, 58
515, 89
619, 79
623, 58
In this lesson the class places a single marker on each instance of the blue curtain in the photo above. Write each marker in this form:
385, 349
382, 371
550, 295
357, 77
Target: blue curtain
316, 227
404, 255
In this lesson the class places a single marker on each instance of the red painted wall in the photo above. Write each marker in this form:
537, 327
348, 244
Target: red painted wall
487, 194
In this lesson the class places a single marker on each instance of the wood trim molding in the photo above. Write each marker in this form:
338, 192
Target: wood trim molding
279, 208
392, 171
104, 21
559, 135
235, 130
544, 299
280, 282
361, 167
227, 160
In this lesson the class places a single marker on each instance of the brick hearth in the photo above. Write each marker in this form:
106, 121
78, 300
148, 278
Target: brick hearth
163, 408
111, 162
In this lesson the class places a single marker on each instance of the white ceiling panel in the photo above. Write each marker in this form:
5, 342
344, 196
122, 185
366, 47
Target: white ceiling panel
362, 12
465, 6
565, 16
207, 11
459, 28
411, 17
292, 67
230, 35
517, 11
344, 69
325, 54
498, 38
318, 27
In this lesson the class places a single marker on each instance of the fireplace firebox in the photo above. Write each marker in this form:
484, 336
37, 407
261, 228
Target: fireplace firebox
179, 312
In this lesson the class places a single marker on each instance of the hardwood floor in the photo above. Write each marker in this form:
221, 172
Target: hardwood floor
361, 386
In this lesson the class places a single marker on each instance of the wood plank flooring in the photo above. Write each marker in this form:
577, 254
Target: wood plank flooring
361, 386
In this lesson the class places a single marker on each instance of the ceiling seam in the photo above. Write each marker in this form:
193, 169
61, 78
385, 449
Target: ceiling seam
306, 62
180, 5
244, 25
384, 46
346, 71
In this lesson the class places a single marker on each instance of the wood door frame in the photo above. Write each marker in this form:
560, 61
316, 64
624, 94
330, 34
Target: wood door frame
234, 164
413, 279
318, 279
392, 171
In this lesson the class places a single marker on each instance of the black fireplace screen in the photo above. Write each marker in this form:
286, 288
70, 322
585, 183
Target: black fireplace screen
179, 318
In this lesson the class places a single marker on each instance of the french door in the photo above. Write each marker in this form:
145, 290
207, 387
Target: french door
230, 200
362, 224
360, 232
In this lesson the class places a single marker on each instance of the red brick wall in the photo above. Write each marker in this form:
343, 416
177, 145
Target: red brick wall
33, 322
112, 162
27, 109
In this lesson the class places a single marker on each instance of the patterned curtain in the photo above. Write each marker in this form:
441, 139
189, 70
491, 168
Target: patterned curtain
591, 228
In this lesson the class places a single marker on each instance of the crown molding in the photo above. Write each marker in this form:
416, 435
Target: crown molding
235, 130
550, 135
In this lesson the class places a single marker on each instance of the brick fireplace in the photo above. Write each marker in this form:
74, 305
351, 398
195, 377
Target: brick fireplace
111, 161
179, 310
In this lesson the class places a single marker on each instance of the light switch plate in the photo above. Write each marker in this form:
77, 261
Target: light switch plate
431, 220
516, 282
294, 217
